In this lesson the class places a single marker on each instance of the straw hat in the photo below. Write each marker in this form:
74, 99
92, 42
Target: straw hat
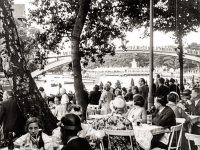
117, 103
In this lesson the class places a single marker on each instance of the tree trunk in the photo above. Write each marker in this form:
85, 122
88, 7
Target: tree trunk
25, 90
76, 58
180, 46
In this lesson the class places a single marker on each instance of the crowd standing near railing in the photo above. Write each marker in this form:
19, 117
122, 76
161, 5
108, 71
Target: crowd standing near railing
112, 108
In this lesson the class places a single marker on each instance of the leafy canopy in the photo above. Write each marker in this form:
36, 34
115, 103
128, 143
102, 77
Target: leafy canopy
58, 18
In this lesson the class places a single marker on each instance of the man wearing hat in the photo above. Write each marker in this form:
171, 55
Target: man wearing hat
70, 126
87, 130
162, 90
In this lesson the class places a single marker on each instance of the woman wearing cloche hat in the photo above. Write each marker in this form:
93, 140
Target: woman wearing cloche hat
70, 126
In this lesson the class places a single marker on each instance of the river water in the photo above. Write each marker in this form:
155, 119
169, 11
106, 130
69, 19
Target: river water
50, 82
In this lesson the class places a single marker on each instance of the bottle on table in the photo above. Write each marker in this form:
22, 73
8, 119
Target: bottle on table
149, 114
149, 119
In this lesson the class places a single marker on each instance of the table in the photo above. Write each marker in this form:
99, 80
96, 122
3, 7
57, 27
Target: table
180, 120
97, 116
144, 134
195, 119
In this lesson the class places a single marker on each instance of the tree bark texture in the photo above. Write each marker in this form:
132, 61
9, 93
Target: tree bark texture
180, 46
84, 6
14, 64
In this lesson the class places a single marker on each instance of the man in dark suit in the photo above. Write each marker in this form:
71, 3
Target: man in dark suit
95, 95
164, 116
11, 117
194, 107
162, 90
144, 91
174, 87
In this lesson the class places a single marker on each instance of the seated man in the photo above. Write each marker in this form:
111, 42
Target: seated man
194, 108
164, 116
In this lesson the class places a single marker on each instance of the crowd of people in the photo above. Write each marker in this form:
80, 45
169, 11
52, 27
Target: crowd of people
74, 133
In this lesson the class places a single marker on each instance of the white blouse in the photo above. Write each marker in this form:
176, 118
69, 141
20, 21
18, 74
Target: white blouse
137, 113
25, 141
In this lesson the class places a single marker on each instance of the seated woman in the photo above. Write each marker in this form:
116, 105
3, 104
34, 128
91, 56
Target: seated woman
173, 99
34, 138
138, 112
69, 127
163, 116
116, 121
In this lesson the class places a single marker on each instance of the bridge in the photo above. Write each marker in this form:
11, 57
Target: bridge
55, 64
167, 50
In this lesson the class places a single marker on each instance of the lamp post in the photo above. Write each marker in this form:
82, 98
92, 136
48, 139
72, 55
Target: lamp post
150, 98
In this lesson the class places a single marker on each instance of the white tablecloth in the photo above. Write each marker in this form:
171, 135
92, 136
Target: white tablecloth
96, 116
144, 134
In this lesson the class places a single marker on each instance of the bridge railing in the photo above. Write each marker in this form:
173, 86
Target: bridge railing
168, 49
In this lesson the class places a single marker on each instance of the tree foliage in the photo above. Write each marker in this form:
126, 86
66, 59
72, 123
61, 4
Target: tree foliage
58, 19
15, 68
195, 46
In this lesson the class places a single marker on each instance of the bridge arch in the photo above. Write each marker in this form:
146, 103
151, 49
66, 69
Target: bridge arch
51, 66
167, 50
188, 54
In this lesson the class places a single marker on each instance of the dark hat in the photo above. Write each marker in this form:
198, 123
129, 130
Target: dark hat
162, 100
186, 92
172, 80
71, 122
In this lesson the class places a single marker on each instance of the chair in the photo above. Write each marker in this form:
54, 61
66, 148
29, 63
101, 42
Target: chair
193, 137
175, 132
101, 145
128, 133
93, 110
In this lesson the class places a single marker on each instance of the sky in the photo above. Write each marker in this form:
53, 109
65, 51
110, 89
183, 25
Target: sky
160, 39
